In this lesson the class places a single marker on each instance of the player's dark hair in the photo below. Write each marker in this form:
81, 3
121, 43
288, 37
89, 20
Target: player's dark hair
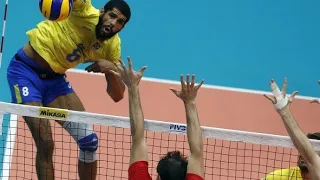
173, 166
121, 5
315, 136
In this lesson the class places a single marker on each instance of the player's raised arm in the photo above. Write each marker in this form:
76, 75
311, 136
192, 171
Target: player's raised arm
132, 79
300, 140
138, 169
188, 95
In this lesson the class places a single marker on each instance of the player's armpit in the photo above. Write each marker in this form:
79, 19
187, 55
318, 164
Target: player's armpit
115, 87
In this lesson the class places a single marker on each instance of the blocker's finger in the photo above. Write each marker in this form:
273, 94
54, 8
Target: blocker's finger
271, 98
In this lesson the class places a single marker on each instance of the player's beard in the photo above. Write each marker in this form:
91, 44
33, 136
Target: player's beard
99, 34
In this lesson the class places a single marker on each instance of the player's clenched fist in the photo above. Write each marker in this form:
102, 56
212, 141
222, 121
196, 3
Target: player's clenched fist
100, 66
130, 77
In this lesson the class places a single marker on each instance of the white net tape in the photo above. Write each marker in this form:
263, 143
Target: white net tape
150, 125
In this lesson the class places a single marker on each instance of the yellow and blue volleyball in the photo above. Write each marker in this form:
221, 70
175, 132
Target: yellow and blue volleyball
56, 10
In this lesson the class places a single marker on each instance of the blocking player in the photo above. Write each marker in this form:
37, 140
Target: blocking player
173, 166
299, 172
36, 75
309, 160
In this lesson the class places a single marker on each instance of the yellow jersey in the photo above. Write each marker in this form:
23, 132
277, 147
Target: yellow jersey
285, 174
65, 44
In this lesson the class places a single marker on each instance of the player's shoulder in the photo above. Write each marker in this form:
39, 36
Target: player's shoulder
286, 170
138, 164
191, 176
139, 171
84, 12
80, 6
281, 172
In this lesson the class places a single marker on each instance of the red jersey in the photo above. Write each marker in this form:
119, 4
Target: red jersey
139, 171
191, 176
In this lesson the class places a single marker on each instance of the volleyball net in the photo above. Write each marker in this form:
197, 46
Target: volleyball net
229, 154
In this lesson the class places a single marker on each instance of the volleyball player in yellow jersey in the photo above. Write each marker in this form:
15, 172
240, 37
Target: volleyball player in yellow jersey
36, 75
309, 160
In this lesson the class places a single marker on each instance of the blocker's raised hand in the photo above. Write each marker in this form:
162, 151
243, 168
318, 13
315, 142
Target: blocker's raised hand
316, 100
188, 90
130, 77
279, 98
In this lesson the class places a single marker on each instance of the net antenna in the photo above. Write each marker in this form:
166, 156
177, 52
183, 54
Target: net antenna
1, 121
3, 30
150, 125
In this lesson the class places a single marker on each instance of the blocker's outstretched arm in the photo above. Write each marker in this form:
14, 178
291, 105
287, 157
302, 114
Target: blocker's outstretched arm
300, 140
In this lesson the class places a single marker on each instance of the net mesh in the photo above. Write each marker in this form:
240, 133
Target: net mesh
224, 159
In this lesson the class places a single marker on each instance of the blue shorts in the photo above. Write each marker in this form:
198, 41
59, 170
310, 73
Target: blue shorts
30, 83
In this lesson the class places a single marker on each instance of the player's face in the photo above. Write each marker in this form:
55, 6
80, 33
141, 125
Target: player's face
110, 23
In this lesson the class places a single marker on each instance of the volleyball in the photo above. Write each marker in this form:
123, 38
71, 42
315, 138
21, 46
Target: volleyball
56, 10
